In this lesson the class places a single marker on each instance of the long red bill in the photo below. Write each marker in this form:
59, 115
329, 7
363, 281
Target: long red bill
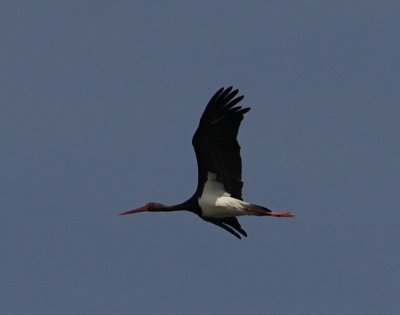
144, 208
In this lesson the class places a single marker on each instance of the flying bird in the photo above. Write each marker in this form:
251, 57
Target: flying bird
218, 197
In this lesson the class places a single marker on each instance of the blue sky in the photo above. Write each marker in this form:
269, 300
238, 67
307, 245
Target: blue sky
99, 101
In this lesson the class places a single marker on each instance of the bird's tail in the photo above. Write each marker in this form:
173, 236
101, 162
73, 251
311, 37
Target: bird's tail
258, 210
263, 211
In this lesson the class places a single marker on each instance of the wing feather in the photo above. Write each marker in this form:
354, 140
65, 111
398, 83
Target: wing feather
215, 141
230, 224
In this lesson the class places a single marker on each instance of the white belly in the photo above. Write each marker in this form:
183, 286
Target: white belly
215, 202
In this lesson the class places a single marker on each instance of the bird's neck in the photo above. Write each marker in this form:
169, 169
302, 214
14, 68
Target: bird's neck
188, 205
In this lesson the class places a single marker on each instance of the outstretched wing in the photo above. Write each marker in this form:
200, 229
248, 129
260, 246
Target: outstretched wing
215, 142
230, 224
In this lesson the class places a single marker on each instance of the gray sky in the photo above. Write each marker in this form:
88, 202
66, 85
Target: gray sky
99, 101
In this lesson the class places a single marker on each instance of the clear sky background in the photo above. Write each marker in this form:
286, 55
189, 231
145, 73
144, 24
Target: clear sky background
99, 101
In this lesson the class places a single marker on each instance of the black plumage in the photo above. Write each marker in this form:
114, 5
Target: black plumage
215, 142
218, 153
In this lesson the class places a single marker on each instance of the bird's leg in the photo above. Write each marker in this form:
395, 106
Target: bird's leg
283, 214
262, 211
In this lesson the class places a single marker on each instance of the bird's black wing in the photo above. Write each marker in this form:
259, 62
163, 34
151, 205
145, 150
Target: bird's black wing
217, 149
230, 224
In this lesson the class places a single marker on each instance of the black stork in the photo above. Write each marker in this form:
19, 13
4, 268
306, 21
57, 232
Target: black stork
218, 197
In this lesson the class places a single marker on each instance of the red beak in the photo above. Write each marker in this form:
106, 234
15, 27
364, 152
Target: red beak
144, 208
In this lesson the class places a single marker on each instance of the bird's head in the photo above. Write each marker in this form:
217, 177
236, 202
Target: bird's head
150, 207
